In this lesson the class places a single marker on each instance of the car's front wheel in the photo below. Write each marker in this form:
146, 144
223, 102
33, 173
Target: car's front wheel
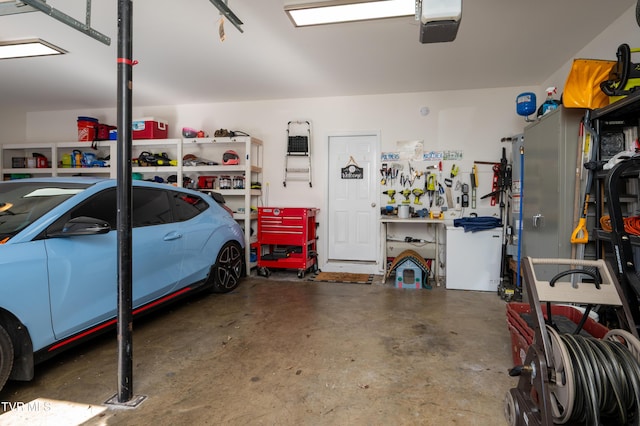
228, 269
6, 356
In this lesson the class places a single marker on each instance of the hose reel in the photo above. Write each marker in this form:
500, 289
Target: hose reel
571, 378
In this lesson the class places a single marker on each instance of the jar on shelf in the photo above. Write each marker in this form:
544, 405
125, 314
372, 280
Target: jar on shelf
238, 182
225, 182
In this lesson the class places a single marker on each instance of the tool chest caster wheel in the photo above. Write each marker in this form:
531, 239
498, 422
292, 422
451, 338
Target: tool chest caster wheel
301, 273
264, 272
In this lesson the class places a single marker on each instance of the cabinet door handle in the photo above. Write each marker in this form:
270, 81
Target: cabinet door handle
538, 220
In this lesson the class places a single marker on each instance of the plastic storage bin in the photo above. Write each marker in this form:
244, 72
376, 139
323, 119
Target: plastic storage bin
149, 128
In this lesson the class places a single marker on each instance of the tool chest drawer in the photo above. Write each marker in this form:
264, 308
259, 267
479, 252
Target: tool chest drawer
288, 225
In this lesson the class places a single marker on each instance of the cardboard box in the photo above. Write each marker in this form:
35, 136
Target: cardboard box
149, 128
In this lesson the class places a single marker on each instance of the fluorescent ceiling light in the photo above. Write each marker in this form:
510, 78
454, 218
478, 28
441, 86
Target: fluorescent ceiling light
27, 48
332, 12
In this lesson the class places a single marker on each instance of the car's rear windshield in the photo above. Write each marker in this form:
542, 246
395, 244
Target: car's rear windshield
23, 202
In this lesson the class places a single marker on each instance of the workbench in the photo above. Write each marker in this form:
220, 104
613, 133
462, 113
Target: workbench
436, 224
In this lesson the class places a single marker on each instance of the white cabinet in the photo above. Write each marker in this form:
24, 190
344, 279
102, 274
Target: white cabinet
242, 194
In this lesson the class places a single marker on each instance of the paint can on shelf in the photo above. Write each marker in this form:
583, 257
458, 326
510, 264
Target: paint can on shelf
87, 128
403, 211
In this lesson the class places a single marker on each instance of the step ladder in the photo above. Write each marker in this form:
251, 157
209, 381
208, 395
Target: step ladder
297, 164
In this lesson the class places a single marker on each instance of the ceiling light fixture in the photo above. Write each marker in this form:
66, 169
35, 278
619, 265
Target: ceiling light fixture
28, 48
332, 12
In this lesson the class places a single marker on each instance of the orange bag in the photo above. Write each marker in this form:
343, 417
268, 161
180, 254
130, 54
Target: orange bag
582, 89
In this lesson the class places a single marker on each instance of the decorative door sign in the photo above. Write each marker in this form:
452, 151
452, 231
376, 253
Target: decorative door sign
352, 170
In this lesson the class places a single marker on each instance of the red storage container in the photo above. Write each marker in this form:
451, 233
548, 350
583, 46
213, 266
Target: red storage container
87, 129
287, 239
206, 182
522, 333
149, 128
519, 346
102, 134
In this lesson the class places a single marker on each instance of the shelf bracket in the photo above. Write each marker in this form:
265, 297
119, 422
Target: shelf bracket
23, 6
221, 5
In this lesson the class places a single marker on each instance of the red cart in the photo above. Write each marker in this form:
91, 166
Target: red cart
287, 239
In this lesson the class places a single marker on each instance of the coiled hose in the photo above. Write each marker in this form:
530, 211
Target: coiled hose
607, 381
631, 224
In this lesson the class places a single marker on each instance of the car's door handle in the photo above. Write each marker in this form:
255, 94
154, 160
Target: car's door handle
172, 236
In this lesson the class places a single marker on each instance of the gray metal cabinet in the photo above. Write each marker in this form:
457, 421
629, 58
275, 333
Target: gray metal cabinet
550, 153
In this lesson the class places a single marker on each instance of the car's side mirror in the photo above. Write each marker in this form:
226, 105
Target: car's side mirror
82, 225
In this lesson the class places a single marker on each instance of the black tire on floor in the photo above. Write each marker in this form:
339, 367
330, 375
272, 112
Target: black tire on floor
228, 269
6, 356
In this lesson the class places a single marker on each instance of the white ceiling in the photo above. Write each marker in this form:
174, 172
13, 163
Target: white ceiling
500, 43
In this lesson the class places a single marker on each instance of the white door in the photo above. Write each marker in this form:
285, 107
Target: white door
353, 203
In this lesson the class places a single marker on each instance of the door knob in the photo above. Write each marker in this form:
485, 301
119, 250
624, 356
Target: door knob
373, 204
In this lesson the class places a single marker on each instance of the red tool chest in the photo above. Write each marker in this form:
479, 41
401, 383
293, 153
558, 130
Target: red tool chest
287, 239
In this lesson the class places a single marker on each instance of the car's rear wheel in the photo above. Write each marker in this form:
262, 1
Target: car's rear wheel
228, 269
6, 356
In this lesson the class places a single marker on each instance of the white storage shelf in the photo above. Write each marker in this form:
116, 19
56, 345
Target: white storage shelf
172, 147
248, 149
54, 153
250, 154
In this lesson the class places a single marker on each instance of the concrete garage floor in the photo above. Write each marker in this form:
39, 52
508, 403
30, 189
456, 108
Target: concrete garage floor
291, 352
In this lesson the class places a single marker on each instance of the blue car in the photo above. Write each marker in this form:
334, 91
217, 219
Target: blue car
58, 259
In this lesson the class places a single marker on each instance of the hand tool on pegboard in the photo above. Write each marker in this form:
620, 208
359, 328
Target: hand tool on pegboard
393, 173
439, 197
430, 185
449, 183
465, 195
501, 182
417, 193
384, 172
494, 182
391, 193
494, 186
406, 193
474, 185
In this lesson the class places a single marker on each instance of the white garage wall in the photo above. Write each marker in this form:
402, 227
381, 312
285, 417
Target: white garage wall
471, 121
12, 126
